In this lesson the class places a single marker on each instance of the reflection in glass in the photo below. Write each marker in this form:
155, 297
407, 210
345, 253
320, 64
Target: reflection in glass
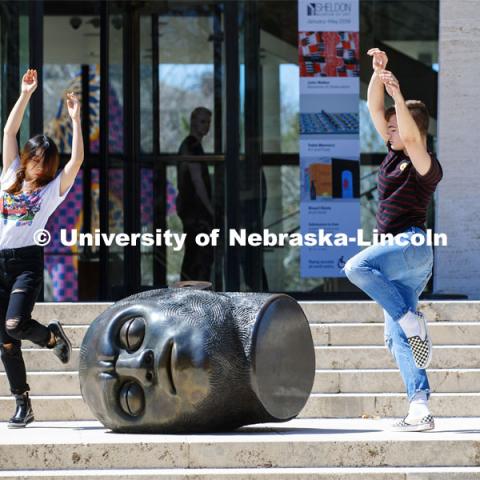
115, 72
289, 100
69, 53
63, 72
24, 54
116, 226
2, 103
61, 261
194, 201
185, 76
116, 255
174, 224
279, 69
146, 86
146, 223
282, 264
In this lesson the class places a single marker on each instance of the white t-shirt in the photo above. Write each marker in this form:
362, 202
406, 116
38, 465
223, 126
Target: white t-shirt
22, 215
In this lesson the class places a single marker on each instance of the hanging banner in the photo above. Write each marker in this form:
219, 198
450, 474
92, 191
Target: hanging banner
329, 66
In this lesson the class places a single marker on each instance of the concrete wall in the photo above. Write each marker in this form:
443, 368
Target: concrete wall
457, 266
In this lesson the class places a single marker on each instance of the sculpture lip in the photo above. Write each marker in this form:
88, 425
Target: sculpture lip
170, 359
166, 366
106, 366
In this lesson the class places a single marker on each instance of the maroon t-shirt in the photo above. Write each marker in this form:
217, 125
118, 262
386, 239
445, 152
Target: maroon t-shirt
403, 193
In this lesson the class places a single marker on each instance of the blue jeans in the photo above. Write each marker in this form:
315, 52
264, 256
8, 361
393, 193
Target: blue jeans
395, 276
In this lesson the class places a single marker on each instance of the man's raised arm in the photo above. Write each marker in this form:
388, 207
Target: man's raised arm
375, 93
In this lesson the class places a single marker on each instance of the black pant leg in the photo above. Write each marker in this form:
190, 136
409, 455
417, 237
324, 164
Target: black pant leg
26, 277
10, 348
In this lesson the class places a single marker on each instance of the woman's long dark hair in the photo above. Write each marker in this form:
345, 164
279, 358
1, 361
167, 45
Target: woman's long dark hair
51, 161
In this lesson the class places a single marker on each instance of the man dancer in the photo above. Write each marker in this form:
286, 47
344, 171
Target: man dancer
394, 275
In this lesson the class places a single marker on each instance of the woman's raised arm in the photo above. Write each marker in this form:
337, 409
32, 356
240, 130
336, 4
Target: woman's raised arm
73, 166
10, 145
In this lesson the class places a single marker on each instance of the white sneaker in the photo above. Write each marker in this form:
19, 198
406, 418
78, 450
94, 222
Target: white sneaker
422, 425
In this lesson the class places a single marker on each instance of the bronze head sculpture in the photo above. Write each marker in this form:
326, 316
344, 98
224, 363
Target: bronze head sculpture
185, 360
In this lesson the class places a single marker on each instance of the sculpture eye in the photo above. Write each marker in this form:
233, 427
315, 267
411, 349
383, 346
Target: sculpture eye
132, 399
132, 334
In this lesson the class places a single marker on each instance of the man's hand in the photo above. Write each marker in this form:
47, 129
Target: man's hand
391, 84
29, 82
380, 59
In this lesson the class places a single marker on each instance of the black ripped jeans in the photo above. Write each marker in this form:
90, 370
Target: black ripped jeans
21, 276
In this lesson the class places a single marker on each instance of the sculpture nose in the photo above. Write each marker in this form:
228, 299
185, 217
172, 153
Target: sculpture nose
138, 365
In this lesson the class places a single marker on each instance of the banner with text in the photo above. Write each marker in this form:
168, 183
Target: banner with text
329, 61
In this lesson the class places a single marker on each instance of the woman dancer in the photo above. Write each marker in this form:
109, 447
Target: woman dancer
29, 193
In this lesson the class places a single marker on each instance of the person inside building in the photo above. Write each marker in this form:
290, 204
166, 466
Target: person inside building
30, 192
394, 275
194, 200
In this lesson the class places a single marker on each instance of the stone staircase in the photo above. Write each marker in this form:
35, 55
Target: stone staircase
340, 434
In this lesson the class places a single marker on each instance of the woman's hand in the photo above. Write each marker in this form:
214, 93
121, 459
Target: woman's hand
73, 106
380, 59
391, 83
29, 82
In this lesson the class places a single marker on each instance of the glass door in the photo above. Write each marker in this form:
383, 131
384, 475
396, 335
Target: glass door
83, 51
181, 152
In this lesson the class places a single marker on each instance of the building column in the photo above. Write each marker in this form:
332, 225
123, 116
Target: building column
457, 266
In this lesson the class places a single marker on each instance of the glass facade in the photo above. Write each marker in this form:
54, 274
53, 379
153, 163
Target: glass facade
186, 95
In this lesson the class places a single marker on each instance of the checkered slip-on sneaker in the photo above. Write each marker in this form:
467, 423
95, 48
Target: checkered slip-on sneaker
422, 425
421, 349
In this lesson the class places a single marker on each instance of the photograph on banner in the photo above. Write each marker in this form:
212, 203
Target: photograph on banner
331, 16
329, 116
329, 62
327, 178
331, 217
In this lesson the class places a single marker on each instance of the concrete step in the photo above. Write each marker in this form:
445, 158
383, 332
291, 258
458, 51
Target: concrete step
451, 333
456, 380
69, 313
320, 443
82, 313
355, 405
352, 366
43, 359
344, 357
363, 357
319, 405
442, 333
370, 312
47, 383
326, 381
51, 408
305, 473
